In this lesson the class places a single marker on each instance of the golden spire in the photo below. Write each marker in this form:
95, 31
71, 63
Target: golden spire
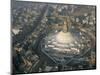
65, 27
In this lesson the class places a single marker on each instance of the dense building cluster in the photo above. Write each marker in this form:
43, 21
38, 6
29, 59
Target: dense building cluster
33, 22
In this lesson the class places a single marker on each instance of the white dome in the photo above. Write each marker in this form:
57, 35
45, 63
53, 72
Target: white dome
66, 38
